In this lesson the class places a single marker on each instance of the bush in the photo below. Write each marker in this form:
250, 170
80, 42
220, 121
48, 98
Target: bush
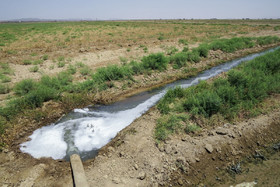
71, 69
85, 71
24, 87
4, 89
179, 60
167, 125
185, 49
45, 57
41, 94
136, 67
155, 62
193, 57
27, 62
34, 69
206, 103
202, 50
192, 128
265, 40
231, 45
112, 72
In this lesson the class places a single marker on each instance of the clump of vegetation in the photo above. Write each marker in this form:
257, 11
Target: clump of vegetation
34, 69
4, 89
27, 62
155, 61
169, 124
233, 44
265, 40
85, 70
24, 87
71, 69
241, 90
183, 41
179, 60
45, 57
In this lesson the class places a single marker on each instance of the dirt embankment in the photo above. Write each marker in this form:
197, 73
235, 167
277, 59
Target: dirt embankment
132, 158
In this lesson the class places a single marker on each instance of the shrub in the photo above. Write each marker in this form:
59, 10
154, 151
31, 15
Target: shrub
265, 40
34, 69
5, 79
167, 125
4, 89
136, 67
60, 64
71, 69
45, 57
155, 62
206, 103
85, 70
231, 45
192, 128
185, 49
112, 72
179, 60
41, 94
193, 57
24, 87
171, 50
27, 62
202, 50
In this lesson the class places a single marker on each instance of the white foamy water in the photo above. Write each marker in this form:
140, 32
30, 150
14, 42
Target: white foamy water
88, 129
87, 133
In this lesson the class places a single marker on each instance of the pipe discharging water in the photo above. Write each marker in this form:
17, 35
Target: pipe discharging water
85, 131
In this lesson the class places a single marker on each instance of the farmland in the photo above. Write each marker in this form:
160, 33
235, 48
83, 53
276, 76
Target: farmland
48, 69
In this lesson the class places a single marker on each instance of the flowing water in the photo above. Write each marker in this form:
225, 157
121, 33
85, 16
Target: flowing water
86, 130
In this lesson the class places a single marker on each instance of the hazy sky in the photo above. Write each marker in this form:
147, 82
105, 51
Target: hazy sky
138, 9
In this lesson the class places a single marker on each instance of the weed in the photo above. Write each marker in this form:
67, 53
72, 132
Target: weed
61, 58
27, 62
24, 87
85, 71
155, 62
183, 41
185, 49
123, 60
34, 69
60, 64
179, 60
192, 128
171, 50
4, 89
36, 62
45, 57
193, 57
71, 69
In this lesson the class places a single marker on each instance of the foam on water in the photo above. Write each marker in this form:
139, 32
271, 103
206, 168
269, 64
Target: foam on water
88, 133
86, 130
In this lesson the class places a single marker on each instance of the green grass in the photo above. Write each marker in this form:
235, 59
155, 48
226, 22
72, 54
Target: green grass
242, 89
